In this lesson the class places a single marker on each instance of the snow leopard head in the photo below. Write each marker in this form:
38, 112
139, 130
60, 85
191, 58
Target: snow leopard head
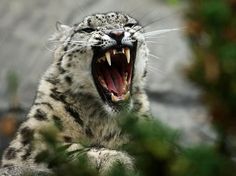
104, 55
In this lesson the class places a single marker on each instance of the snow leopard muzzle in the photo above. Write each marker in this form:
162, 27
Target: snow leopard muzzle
112, 70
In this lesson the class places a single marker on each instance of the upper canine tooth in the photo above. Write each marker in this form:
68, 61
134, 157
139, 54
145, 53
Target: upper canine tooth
127, 53
108, 57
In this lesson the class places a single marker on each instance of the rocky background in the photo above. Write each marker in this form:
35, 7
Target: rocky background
25, 54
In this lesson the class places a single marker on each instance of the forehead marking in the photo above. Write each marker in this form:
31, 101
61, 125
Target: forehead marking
105, 19
89, 22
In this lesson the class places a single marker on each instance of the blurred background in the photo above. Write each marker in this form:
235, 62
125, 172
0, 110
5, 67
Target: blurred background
25, 54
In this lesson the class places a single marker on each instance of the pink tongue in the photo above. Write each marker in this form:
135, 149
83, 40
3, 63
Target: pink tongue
118, 81
114, 81
109, 81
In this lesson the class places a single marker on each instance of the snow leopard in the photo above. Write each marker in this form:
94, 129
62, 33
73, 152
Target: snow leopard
98, 71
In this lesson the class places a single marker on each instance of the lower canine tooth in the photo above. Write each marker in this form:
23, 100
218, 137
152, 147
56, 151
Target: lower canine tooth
126, 75
108, 57
127, 95
114, 98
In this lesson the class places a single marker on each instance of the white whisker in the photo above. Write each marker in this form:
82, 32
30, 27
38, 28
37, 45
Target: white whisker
77, 41
73, 42
74, 48
162, 31
156, 37
156, 69
51, 50
52, 41
79, 45
149, 41
154, 56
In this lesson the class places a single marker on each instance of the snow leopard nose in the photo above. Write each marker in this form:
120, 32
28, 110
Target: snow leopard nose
117, 35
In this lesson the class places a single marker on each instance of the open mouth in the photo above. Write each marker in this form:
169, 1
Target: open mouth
112, 71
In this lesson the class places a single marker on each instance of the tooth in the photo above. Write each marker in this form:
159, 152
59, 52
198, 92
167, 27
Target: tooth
127, 53
127, 95
123, 50
114, 52
126, 75
114, 98
108, 57
125, 79
101, 59
102, 82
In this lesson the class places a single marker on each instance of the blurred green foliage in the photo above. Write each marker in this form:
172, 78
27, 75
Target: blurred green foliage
12, 81
212, 34
172, 2
154, 147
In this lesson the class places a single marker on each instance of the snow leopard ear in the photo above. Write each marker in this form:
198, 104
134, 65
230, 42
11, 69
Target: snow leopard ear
62, 27
61, 33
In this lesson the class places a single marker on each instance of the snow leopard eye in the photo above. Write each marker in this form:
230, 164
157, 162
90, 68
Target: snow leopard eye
130, 25
87, 30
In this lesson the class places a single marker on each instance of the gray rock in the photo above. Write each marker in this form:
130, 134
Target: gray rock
26, 25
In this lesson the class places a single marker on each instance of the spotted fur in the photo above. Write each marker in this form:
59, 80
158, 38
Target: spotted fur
68, 99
